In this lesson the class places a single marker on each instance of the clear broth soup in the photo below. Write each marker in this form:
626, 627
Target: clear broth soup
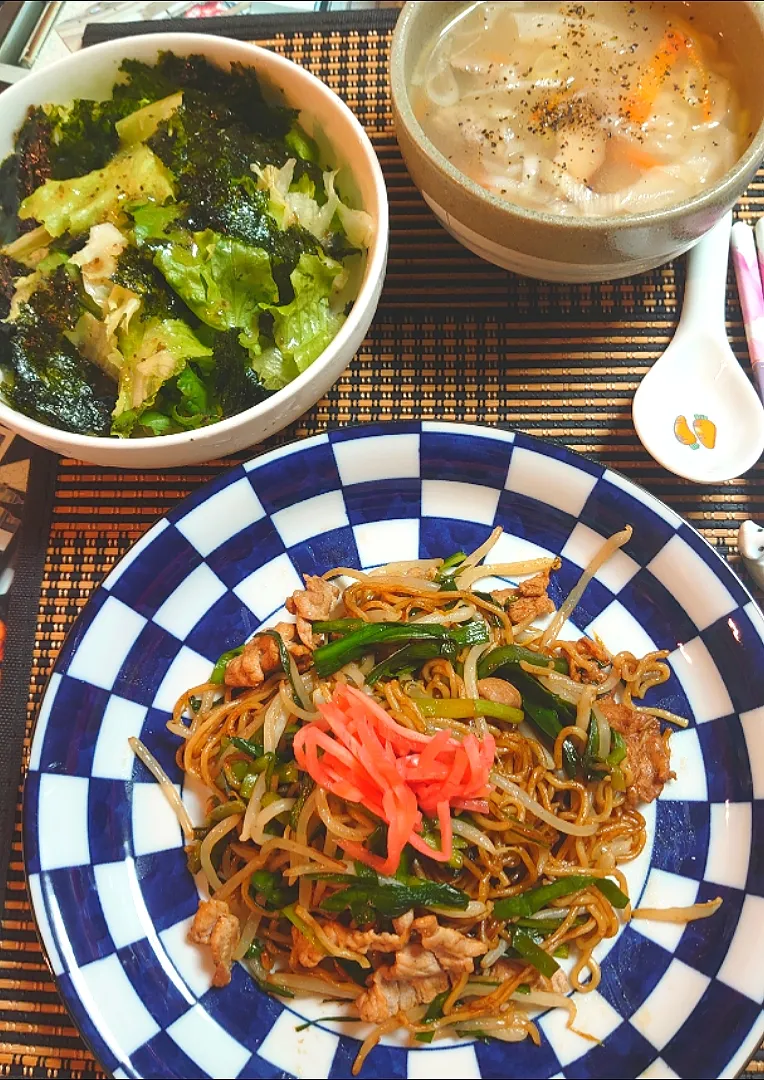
582, 109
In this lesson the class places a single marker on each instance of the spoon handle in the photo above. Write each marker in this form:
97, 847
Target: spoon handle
705, 292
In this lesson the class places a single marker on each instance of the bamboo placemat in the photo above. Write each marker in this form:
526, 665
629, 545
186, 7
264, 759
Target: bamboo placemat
454, 338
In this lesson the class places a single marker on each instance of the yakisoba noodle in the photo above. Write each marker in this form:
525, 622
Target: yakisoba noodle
420, 801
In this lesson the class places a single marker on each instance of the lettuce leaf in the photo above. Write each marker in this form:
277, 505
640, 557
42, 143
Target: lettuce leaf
140, 125
293, 202
301, 144
225, 282
303, 328
151, 221
156, 422
358, 226
155, 352
75, 205
274, 370
196, 406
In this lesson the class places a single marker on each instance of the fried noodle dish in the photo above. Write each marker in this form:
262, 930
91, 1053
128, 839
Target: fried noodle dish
421, 796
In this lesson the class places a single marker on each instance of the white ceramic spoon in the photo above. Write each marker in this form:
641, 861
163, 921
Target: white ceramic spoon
696, 411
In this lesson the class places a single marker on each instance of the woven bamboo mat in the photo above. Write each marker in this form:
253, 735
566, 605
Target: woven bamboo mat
454, 339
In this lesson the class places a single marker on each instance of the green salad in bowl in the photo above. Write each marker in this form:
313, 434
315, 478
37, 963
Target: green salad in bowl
172, 255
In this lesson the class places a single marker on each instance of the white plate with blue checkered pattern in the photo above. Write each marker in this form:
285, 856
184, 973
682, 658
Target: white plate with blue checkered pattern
107, 874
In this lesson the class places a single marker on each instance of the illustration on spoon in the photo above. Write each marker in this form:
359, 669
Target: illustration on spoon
702, 432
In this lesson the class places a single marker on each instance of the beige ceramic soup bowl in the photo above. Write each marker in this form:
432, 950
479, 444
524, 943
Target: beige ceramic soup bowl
559, 248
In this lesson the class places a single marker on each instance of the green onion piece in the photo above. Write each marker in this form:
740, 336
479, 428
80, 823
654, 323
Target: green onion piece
533, 953
329, 1020
271, 887
306, 786
337, 626
255, 950
544, 926
403, 873
224, 810
562, 952
571, 759
307, 931
377, 845
514, 654
353, 969
531, 688
233, 781
239, 769
611, 892
264, 763
283, 652
431, 837
486, 597
430, 833
286, 665
331, 657
534, 900
549, 713
617, 748
463, 708
253, 749
617, 779
218, 672
592, 763
270, 768
260, 761
260, 976
394, 900
546, 720
549, 923
592, 751
409, 657
448, 567
248, 786
434, 1012
269, 987
287, 773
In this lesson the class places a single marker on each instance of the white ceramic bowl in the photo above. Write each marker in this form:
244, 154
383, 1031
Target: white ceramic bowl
92, 73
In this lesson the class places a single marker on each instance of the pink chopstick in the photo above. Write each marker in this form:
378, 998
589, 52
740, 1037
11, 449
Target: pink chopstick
759, 230
749, 285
